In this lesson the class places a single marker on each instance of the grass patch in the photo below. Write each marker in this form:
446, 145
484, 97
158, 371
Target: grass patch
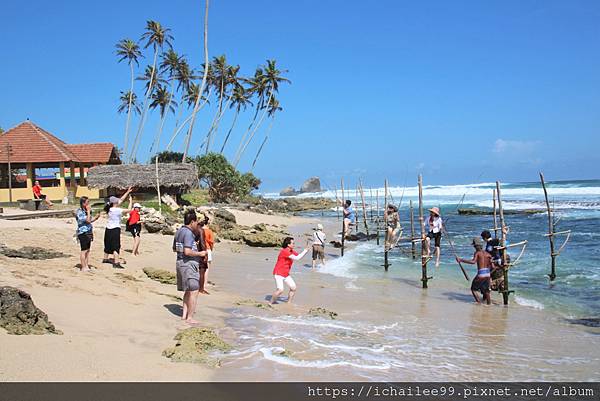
197, 197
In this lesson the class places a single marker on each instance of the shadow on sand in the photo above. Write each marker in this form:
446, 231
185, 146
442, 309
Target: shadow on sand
175, 309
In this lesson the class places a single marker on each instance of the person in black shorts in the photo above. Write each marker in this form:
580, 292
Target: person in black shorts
84, 232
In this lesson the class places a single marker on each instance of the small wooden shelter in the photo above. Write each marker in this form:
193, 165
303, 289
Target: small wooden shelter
174, 178
29, 153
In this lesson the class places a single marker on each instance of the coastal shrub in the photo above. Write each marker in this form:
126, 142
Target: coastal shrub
224, 182
167, 157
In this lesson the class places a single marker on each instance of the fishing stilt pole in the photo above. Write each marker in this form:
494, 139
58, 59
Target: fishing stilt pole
412, 232
451, 243
386, 241
551, 233
506, 292
377, 217
495, 215
364, 208
371, 203
337, 209
343, 218
424, 257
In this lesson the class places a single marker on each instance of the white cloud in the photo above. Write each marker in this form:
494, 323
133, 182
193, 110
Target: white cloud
520, 147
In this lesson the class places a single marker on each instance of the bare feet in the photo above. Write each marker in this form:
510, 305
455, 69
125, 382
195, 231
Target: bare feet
192, 322
204, 292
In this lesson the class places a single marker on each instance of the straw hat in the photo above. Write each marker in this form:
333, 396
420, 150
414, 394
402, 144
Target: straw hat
435, 210
319, 227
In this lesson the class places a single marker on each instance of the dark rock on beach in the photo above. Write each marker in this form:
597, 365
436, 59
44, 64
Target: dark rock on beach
194, 345
160, 275
31, 252
360, 237
226, 215
589, 321
264, 239
19, 315
322, 312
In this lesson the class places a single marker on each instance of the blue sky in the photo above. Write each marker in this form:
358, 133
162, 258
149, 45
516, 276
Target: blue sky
461, 91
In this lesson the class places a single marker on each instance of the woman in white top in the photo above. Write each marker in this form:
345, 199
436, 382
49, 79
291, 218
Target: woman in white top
112, 233
434, 226
318, 246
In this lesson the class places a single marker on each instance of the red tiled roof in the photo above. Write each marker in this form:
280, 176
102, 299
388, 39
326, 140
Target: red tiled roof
32, 144
92, 152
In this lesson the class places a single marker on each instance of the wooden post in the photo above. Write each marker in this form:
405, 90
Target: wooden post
377, 217
386, 239
412, 232
8, 152
158, 187
29, 167
552, 274
356, 225
495, 216
343, 218
424, 258
364, 208
505, 292
371, 202
337, 209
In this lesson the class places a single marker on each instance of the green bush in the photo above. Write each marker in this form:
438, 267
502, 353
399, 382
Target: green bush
223, 181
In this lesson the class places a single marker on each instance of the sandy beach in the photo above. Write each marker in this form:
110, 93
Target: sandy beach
117, 323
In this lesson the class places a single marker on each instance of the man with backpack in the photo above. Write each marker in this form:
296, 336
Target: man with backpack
318, 246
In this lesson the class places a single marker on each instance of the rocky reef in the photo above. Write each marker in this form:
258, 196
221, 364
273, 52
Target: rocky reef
194, 345
19, 315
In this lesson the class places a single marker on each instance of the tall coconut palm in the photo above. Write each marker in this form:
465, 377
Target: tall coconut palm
152, 79
202, 85
128, 50
269, 82
163, 100
156, 36
219, 79
273, 107
240, 99
183, 75
169, 65
189, 98
129, 103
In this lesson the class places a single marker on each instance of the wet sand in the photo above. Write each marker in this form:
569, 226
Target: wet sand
116, 325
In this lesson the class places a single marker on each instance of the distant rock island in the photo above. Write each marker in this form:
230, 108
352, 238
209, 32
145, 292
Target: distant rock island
313, 184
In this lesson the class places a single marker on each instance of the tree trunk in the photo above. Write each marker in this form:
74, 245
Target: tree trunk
237, 112
263, 143
254, 130
343, 217
197, 104
126, 144
138, 135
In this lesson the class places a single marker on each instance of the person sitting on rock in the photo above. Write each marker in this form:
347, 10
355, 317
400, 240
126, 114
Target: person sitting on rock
37, 194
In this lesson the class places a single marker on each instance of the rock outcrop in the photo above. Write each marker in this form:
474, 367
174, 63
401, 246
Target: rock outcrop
313, 184
19, 315
31, 252
160, 275
288, 191
194, 345
322, 312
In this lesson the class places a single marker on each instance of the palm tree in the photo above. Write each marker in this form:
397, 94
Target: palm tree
128, 102
201, 89
128, 50
267, 82
156, 36
240, 99
184, 75
273, 107
162, 99
219, 78
152, 79
189, 98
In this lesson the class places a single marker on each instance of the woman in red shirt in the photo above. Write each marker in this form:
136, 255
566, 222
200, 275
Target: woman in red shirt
281, 272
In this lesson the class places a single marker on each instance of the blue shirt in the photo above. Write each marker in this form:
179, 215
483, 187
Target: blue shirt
350, 214
83, 227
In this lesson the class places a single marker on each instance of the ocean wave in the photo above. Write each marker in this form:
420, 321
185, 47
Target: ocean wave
272, 354
529, 302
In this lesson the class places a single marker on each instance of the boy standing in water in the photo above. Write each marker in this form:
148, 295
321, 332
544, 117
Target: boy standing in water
482, 280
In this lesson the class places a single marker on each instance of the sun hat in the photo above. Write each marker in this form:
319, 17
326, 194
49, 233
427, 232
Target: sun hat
435, 210
135, 205
113, 199
320, 227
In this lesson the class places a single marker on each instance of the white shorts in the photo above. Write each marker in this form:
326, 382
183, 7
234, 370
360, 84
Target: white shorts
279, 280
209, 255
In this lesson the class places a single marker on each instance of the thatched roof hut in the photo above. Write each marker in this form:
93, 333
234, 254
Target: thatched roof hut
173, 177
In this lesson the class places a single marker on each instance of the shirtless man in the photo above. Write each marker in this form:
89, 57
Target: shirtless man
482, 280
